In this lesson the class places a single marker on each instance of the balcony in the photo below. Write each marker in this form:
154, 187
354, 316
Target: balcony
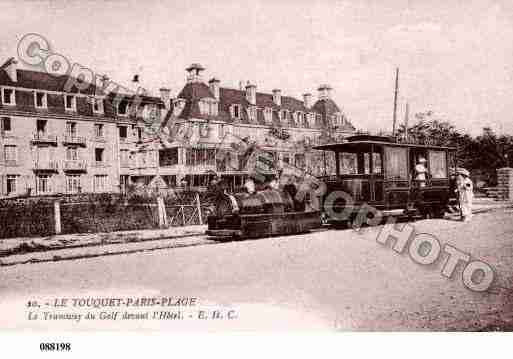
50, 166
44, 138
74, 140
75, 166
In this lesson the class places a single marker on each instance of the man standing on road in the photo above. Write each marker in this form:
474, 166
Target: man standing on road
465, 191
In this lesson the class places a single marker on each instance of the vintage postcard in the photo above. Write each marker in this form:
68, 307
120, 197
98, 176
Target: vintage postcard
331, 166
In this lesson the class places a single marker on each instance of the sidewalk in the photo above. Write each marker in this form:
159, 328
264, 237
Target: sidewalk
23, 245
74, 246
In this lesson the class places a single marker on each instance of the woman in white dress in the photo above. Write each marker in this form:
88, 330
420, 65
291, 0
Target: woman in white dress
465, 190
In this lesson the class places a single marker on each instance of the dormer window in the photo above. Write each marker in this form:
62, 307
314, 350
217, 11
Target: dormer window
304, 120
123, 108
8, 96
252, 113
298, 118
235, 111
311, 119
268, 115
97, 105
70, 102
284, 116
40, 99
208, 106
204, 130
178, 106
318, 119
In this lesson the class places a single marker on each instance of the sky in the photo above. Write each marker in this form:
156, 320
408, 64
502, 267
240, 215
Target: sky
455, 57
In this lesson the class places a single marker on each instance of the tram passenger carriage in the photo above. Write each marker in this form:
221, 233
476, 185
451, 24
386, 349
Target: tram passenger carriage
375, 171
371, 171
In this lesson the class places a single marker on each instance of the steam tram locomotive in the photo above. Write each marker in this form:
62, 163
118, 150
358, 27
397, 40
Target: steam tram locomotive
370, 172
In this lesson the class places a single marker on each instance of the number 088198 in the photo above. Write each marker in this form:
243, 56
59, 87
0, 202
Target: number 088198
55, 347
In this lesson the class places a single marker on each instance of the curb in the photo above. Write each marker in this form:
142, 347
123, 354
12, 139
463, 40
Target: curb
100, 250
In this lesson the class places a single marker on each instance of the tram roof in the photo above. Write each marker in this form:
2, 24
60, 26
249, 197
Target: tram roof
364, 145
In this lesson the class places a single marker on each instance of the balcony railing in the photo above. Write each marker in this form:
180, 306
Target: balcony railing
75, 165
46, 166
74, 140
42, 137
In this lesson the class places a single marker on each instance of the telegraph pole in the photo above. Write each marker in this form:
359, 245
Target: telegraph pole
395, 100
406, 119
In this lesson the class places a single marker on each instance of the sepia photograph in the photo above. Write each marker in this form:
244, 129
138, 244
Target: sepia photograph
256, 166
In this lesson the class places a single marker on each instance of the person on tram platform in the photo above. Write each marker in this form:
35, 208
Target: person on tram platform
421, 172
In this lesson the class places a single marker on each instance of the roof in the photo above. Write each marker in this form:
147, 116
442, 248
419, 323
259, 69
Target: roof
43, 81
37, 80
193, 92
362, 145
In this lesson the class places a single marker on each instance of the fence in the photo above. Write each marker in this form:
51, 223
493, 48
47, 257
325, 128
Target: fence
100, 213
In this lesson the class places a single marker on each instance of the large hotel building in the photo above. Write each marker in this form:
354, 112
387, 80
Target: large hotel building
54, 141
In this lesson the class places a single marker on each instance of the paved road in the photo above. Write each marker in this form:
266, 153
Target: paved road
333, 280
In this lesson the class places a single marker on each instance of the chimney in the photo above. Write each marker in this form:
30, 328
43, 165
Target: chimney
307, 100
10, 67
194, 73
165, 96
251, 93
324, 92
277, 96
213, 84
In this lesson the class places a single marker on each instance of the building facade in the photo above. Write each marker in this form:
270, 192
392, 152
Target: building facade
60, 139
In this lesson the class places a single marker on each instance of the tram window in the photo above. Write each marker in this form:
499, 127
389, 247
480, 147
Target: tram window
377, 166
396, 163
348, 163
437, 164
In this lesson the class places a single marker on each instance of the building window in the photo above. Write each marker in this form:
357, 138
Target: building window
97, 105
284, 116
99, 155
124, 158
73, 184
208, 106
139, 134
71, 129
6, 124
43, 184
318, 119
252, 113
70, 102
123, 133
204, 130
268, 115
100, 183
123, 108
168, 157
71, 154
10, 153
299, 160
11, 184
200, 157
8, 96
41, 127
98, 130
236, 111
40, 99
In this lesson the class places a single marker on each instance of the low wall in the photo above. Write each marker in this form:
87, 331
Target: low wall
505, 183
92, 213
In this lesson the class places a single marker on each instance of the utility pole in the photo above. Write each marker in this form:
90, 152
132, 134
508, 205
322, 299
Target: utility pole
395, 100
406, 118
